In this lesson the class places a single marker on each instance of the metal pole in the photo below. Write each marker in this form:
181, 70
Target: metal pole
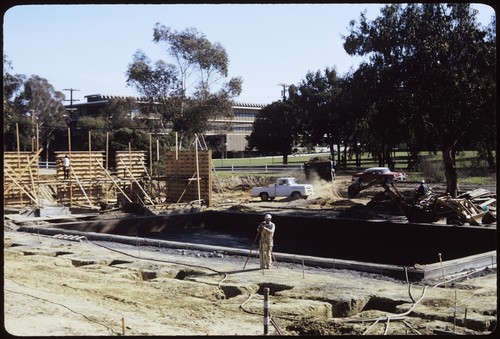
266, 310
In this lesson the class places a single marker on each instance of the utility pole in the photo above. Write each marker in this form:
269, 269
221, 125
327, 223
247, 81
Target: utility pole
283, 92
71, 90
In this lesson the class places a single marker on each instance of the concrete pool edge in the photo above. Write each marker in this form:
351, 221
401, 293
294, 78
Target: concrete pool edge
427, 273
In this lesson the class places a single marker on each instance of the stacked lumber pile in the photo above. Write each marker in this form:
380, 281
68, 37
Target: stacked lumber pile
475, 207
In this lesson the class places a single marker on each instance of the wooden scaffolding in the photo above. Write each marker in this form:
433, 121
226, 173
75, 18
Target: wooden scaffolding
188, 175
86, 185
187, 178
21, 177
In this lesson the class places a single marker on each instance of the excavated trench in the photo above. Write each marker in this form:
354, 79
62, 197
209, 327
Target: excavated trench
401, 250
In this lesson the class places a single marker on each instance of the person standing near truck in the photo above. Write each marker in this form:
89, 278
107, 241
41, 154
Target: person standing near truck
266, 232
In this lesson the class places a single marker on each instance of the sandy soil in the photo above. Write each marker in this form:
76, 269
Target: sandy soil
57, 287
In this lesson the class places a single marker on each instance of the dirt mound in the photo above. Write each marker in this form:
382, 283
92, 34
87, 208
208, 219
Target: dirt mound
235, 183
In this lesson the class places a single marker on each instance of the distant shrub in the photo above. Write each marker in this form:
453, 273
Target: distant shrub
432, 170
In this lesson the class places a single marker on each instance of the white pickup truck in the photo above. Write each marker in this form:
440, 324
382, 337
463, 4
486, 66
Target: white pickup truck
284, 187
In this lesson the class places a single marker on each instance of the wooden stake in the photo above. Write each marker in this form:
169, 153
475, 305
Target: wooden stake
442, 269
455, 312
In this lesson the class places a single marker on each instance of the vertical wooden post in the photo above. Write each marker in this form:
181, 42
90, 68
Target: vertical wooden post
70, 165
442, 269
37, 137
19, 160
90, 167
150, 155
18, 148
197, 170
157, 150
69, 142
33, 186
176, 147
129, 165
107, 159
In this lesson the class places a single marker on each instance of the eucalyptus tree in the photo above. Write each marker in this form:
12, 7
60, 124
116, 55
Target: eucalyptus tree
12, 85
383, 81
194, 88
276, 129
435, 55
351, 122
40, 111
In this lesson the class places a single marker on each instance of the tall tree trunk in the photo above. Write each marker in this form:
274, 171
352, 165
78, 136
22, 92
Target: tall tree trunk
450, 171
285, 159
338, 154
491, 160
413, 160
345, 155
332, 152
388, 158
358, 157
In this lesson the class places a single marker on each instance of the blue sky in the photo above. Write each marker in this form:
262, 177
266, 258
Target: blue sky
88, 47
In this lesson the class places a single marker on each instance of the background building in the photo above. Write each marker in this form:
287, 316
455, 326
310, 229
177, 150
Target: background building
226, 137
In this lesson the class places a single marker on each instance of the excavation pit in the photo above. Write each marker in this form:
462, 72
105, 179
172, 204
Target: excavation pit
401, 250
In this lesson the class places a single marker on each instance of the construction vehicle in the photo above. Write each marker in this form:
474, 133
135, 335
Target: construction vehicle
321, 167
473, 207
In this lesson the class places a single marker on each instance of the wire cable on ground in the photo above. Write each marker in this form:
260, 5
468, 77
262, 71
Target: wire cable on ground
402, 316
59, 304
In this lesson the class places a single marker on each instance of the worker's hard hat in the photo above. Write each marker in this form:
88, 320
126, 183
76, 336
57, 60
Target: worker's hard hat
423, 181
267, 216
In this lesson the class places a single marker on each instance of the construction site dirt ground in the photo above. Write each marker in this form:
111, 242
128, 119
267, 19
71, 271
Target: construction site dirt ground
57, 287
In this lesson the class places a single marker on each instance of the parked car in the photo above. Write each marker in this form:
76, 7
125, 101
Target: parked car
378, 173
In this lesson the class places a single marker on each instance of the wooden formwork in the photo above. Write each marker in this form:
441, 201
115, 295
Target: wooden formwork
189, 176
130, 164
21, 178
131, 171
86, 183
